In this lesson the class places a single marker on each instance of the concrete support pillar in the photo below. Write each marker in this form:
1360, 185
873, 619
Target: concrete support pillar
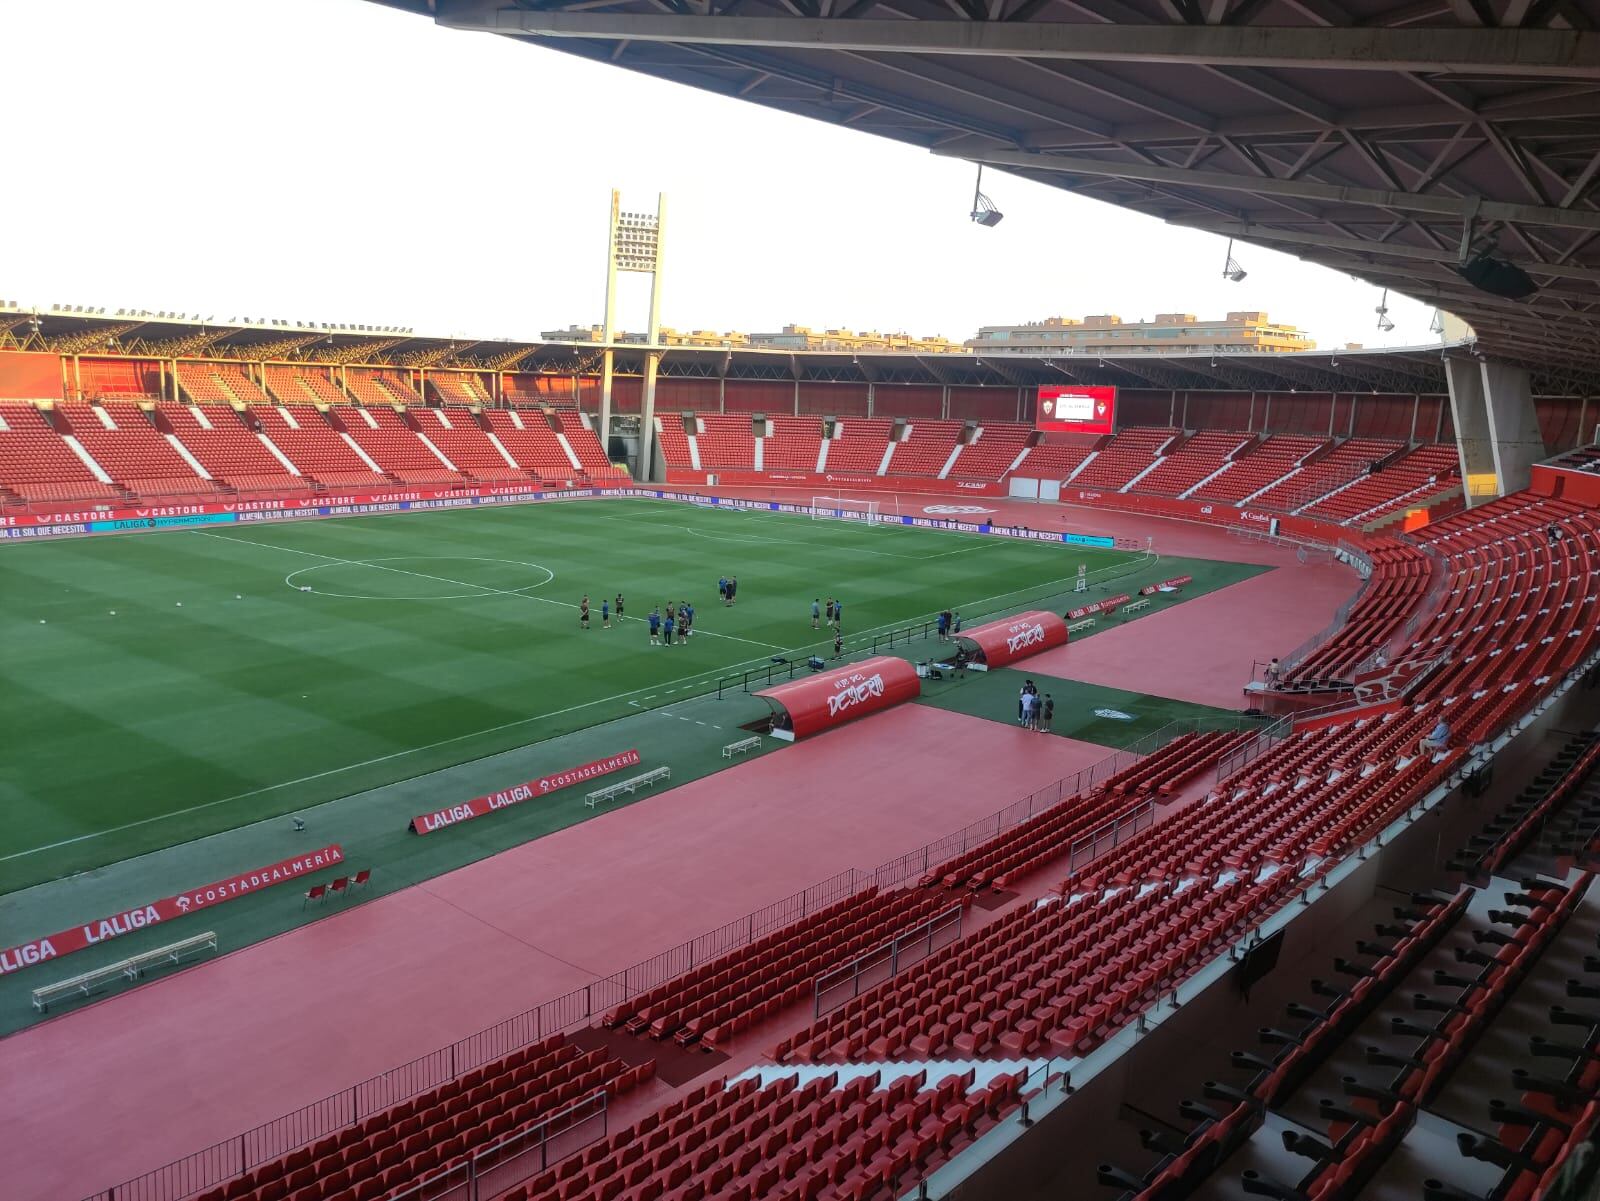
606, 368
1471, 417
1497, 430
1513, 424
647, 418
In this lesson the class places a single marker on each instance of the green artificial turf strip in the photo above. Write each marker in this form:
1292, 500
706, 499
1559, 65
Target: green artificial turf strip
993, 695
219, 693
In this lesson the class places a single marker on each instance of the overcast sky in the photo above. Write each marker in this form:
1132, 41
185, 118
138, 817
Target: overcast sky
334, 160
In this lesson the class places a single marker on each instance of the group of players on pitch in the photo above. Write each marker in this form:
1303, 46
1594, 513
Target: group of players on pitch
678, 620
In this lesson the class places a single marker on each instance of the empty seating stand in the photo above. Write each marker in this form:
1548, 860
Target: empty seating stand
720, 999
858, 444
304, 436
531, 439
457, 433
128, 446
1131, 452
294, 386
674, 440
1202, 455
416, 1139
1057, 456
926, 447
727, 442
857, 1139
792, 444
1259, 468
1347, 462
991, 452
229, 449
593, 461
386, 438
37, 465
1414, 477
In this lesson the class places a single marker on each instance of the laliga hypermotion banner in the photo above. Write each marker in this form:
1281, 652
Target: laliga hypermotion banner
831, 698
1099, 606
427, 823
1076, 410
42, 950
1012, 638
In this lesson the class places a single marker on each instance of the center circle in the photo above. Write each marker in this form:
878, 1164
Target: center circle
446, 586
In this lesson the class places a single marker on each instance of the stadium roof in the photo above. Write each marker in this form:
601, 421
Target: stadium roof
139, 334
1375, 137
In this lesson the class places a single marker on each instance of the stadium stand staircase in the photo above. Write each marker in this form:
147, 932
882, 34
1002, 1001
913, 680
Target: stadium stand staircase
859, 445
727, 442
1199, 458
1059, 456
39, 465
792, 443
306, 438
457, 434
1275, 459
126, 442
996, 448
1343, 465
1369, 498
386, 439
230, 450
530, 436
1129, 455
926, 448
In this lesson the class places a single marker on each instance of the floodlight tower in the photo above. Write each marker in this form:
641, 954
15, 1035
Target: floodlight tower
634, 245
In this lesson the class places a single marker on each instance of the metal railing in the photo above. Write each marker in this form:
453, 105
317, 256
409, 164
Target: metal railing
878, 640
1242, 756
518, 1156
914, 864
1107, 836
224, 1160
887, 960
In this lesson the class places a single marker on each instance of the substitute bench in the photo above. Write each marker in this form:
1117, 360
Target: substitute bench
743, 746
88, 983
612, 791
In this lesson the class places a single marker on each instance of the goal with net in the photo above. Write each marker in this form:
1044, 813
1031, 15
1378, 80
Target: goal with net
845, 508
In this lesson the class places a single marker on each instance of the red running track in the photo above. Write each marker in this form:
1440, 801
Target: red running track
124, 1086
1201, 650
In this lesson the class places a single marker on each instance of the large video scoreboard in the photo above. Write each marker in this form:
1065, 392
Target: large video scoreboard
1076, 410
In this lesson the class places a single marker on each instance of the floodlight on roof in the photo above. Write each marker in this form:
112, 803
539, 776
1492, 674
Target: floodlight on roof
1230, 266
983, 210
1384, 324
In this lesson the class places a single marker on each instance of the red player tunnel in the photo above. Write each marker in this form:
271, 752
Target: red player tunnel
1012, 638
831, 698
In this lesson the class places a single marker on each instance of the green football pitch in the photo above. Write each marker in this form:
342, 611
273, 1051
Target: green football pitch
160, 687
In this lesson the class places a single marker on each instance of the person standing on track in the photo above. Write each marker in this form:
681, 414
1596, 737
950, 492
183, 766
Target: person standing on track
1048, 713
583, 612
655, 626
